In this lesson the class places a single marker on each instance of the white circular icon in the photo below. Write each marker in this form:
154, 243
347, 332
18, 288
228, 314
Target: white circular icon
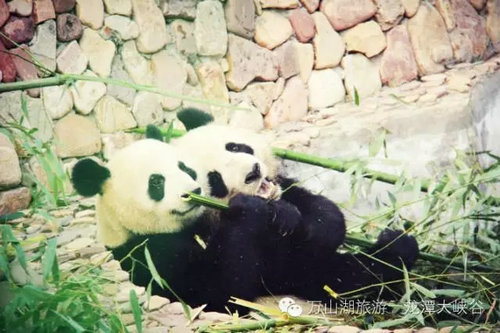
294, 310
288, 305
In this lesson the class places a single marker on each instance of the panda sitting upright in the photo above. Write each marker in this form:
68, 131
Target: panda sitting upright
283, 236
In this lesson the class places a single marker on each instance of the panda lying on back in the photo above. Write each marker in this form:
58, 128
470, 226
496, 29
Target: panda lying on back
281, 235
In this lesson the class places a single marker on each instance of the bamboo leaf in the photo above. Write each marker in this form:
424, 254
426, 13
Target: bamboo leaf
356, 96
426, 292
136, 310
49, 264
448, 292
70, 321
169, 133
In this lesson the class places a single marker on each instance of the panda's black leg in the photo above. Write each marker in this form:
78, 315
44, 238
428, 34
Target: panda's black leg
381, 264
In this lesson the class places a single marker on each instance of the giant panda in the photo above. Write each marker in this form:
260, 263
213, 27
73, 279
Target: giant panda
284, 236
141, 202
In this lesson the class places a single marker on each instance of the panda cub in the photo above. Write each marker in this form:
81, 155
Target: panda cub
141, 201
281, 235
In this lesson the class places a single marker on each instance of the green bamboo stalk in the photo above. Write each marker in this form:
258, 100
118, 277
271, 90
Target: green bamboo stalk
353, 240
270, 323
62, 79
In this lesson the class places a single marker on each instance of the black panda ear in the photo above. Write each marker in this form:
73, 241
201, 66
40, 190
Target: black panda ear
193, 118
153, 132
88, 177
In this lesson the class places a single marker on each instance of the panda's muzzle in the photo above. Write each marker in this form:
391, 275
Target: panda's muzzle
253, 175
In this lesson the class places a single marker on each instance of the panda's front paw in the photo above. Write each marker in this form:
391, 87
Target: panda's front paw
284, 217
396, 243
247, 206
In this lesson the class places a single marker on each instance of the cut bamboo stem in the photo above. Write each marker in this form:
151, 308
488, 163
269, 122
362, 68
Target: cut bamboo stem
355, 240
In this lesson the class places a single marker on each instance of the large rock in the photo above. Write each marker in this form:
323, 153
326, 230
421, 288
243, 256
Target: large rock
212, 81
261, 95
344, 14
10, 171
290, 106
13, 200
303, 25
469, 39
4, 12
120, 7
63, 6
57, 101
310, 5
398, 63
493, 22
251, 119
360, 74
325, 89
305, 55
17, 7
183, 32
18, 29
170, 75
90, 12
71, 59
282, 4
240, 17
366, 38
43, 10
11, 107
429, 40
76, 136
248, 61
69, 27
147, 108
272, 29
185, 9
125, 27
112, 116
389, 13
138, 67
153, 31
43, 46
38, 118
25, 69
410, 6
329, 47
118, 72
87, 93
210, 28
444, 8
7, 66
288, 59
100, 52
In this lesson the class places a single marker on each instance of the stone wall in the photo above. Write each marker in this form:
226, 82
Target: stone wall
278, 59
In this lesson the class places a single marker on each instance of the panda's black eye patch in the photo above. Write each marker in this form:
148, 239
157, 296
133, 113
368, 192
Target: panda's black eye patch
156, 187
239, 148
218, 188
188, 170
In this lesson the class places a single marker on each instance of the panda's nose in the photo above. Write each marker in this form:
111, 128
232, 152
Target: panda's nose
254, 174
